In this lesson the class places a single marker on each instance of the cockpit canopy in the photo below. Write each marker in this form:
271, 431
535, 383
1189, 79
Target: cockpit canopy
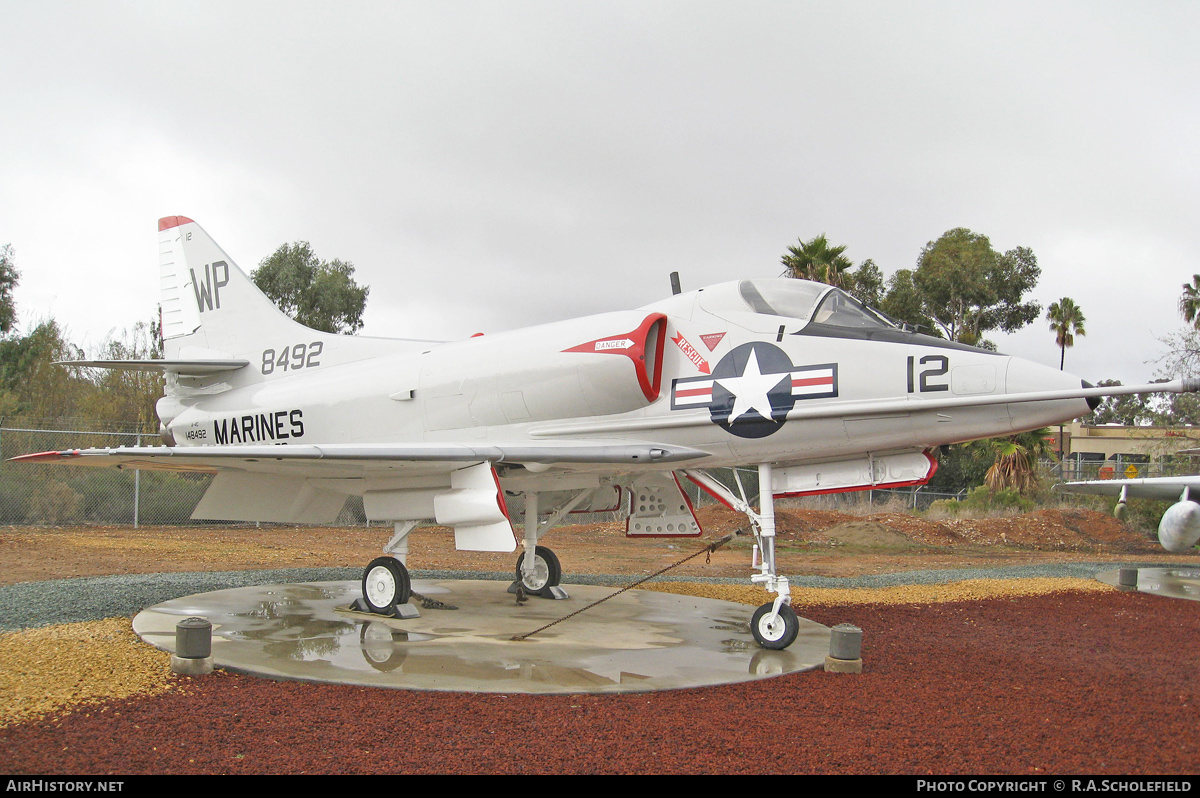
789, 301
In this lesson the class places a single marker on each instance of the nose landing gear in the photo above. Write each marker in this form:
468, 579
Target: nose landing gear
774, 625
774, 629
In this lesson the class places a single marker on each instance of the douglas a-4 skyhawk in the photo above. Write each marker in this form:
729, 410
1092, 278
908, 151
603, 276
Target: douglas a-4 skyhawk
603, 413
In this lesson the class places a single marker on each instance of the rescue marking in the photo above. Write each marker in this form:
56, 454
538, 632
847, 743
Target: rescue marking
691, 353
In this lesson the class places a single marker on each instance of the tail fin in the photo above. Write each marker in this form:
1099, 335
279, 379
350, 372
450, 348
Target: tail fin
208, 303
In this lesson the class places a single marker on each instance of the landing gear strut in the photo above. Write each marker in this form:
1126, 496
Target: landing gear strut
540, 576
774, 625
386, 586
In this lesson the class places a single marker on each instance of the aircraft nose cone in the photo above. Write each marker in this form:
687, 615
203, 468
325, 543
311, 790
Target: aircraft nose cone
1025, 376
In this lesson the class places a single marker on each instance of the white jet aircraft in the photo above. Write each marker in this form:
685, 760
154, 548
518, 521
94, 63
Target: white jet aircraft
1179, 528
602, 413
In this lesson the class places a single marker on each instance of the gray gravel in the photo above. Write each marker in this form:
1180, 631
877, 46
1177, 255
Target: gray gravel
30, 604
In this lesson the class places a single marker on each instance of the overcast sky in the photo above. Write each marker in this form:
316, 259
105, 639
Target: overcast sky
488, 165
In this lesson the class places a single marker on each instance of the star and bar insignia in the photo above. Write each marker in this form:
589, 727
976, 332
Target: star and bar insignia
752, 389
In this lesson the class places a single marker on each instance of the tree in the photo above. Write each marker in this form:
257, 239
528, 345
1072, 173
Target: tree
867, 284
904, 303
1130, 410
9, 277
1178, 410
128, 395
30, 382
1017, 456
318, 294
969, 289
1182, 359
961, 466
1066, 321
816, 260
1189, 302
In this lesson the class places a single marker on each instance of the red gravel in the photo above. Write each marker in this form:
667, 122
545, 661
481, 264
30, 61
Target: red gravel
1062, 684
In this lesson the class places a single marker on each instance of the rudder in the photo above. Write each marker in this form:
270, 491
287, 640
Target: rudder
207, 302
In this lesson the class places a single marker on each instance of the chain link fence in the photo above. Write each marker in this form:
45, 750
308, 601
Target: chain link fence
33, 493
40, 494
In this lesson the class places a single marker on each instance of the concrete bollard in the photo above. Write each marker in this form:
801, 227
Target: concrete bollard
845, 649
193, 647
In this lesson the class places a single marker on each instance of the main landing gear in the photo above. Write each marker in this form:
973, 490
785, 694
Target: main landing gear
546, 572
386, 585
774, 625
543, 573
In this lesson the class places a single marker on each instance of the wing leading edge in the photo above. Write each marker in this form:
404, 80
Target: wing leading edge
319, 460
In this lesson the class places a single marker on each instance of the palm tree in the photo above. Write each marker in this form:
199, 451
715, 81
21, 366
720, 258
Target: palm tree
1017, 457
1066, 321
1189, 303
816, 260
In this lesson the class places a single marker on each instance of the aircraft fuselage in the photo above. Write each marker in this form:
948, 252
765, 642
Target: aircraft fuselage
694, 370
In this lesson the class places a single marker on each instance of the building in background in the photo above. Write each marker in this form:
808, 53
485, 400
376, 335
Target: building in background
1112, 451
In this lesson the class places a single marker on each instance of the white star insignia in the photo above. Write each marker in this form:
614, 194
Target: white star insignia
751, 389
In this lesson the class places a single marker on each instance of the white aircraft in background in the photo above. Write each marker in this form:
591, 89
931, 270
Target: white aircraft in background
602, 413
1179, 528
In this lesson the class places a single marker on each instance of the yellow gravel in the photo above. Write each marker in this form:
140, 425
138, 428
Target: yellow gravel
52, 669
968, 590
71, 667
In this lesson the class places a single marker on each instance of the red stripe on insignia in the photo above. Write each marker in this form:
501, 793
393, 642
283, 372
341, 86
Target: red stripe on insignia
798, 383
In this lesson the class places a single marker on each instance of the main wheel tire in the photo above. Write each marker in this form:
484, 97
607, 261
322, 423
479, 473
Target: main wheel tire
386, 585
780, 633
547, 572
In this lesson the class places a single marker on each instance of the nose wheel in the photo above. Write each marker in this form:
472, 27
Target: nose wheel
774, 630
386, 585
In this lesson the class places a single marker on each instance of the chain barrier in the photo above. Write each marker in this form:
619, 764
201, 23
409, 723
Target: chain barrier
709, 549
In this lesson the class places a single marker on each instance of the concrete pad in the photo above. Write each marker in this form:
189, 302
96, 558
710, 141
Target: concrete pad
638, 641
1180, 582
